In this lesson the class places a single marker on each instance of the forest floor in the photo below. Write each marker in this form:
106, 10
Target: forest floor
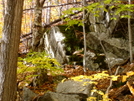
122, 89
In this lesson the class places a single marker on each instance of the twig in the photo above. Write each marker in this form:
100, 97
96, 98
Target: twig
105, 55
111, 81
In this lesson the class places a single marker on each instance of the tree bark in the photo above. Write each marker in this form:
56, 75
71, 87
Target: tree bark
48, 13
9, 49
84, 34
37, 26
130, 35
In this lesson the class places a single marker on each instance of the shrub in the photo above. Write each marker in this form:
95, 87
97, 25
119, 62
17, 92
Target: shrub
37, 65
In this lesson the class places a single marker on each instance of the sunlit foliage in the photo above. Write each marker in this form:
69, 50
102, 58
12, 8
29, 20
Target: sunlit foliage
35, 64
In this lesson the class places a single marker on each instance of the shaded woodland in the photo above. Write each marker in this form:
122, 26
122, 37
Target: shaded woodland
61, 50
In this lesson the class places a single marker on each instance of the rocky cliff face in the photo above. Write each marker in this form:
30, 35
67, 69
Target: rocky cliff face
108, 38
61, 43
107, 41
54, 45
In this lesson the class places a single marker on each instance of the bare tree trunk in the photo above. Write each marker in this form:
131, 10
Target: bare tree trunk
84, 33
48, 12
60, 8
37, 26
9, 49
130, 35
67, 5
74, 1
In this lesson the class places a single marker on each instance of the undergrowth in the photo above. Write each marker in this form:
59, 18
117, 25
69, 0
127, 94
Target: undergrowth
37, 65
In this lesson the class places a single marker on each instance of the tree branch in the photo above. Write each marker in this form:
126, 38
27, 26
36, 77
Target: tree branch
54, 6
51, 23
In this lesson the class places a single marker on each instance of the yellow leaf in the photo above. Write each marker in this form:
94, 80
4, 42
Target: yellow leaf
91, 99
63, 80
130, 88
130, 73
114, 78
124, 78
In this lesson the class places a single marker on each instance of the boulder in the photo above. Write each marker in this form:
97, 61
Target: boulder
114, 50
52, 96
70, 90
75, 87
54, 44
61, 42
28, 95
